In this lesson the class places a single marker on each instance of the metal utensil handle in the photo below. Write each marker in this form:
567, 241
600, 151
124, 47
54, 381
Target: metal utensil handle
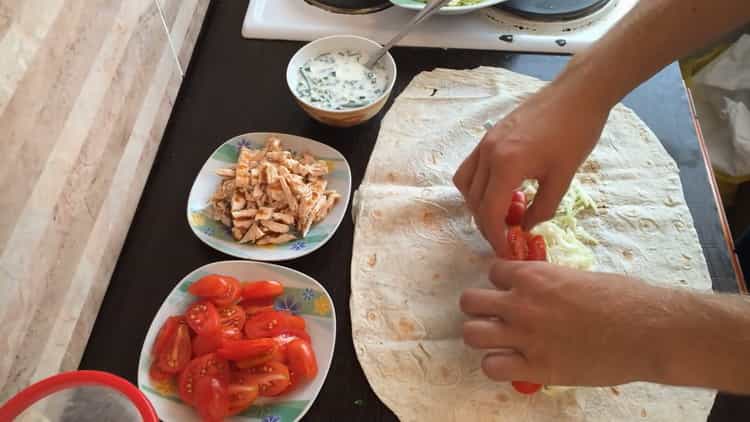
430, 8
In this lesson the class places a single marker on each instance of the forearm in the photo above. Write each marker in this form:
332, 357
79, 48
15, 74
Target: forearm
705, 342
652, 35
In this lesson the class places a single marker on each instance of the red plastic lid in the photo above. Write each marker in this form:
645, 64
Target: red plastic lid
46, 387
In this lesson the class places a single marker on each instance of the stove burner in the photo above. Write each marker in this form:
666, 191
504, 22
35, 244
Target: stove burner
351, 7
552, 10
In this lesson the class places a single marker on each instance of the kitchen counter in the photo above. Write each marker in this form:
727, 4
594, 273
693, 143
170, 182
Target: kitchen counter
86, 89
235, 86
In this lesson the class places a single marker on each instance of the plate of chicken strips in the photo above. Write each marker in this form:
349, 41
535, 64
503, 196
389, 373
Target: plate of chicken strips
269, 196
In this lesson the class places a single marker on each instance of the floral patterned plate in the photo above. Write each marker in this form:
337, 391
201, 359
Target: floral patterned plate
302, 296
218, 236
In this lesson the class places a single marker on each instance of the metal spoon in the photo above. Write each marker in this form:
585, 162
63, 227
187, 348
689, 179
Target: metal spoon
428, 10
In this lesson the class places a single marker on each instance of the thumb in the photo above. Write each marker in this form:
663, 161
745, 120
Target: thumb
551, 191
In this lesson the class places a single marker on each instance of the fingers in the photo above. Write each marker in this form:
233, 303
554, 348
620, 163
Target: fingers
488, 334
501, 274
483, 302
479, 183
494, 205
505, 366
551, 190
465, 173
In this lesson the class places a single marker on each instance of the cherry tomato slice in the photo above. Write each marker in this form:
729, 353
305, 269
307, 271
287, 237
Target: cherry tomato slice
209, 286
202, 317
302, 363
537, 249
206, 343
524, 387
256, 306
177, 352
516, 211
220, 289
211, 399
232, 320
272, 323
518, 245
519, 196
246, 349
272, 378
231, 296
166, 332
206, 365
262, 290
277, 354
241, 397
157, 375
242, 394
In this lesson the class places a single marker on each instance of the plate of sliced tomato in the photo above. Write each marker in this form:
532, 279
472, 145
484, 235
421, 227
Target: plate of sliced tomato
239, 341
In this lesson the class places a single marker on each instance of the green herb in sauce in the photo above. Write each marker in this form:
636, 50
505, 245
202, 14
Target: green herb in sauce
339, 80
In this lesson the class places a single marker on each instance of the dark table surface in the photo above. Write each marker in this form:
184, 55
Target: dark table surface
235, 86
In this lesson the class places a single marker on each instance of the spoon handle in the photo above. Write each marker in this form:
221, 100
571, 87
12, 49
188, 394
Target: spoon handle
428, 10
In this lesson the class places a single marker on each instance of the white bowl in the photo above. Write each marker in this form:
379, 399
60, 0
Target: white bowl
218, 236
447, 10
302, 294
348, 117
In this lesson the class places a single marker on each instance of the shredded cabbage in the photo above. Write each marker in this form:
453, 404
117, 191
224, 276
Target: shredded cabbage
567, 242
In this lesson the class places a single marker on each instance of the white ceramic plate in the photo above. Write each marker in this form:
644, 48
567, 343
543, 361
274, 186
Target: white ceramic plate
447, 10
302, 295
218, 236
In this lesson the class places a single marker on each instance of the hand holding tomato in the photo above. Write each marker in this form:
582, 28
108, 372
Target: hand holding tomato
546, 138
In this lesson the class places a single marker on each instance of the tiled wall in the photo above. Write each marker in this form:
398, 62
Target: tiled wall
86, 88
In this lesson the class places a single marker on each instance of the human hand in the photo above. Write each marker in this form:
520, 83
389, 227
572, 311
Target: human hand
546, 138
560, 326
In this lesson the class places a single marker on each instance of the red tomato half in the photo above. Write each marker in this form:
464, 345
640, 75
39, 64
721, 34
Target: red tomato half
256, 306
157, 375
272, 323
519, 196
302, 363
537, 249
206, 343
524, 387
220, 289
211, 399
246, 349
208, 365
231, 296
202, 317
177, 351
166, 332
241, 394
262, 290
272, 378
518, 246
232, 320
278, 354
515, 214
213, 285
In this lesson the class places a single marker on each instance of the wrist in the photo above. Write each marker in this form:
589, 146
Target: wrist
592, 87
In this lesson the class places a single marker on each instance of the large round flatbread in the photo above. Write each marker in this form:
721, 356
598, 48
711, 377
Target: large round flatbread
416, 249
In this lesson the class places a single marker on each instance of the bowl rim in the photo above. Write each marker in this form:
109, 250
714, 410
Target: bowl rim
375, 44
466, 8
280, 268
346, 201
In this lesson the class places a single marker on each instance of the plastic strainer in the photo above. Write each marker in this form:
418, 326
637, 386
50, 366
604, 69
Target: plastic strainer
79, 396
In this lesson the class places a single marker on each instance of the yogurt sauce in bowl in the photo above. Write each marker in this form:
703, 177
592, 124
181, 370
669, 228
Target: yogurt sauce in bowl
339, 80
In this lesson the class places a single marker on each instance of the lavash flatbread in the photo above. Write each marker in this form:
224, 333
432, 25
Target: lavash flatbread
416, 249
